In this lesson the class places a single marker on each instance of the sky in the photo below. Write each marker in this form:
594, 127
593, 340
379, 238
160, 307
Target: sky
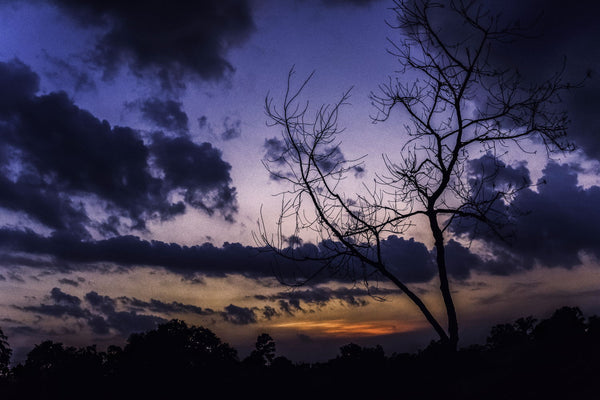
132, 136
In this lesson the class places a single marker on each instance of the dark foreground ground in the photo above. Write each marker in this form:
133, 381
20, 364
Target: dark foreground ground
556, 358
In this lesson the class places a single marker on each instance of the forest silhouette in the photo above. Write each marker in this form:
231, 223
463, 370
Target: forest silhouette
554, 358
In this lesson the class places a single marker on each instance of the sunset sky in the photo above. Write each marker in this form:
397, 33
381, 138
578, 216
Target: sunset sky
131, 178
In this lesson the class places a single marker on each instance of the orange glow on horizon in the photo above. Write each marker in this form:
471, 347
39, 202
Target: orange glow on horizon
343, 328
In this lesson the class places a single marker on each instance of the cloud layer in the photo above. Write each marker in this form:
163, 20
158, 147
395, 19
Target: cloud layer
124, 315
66, 169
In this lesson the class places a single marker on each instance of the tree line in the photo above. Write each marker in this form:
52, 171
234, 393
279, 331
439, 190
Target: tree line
557, 356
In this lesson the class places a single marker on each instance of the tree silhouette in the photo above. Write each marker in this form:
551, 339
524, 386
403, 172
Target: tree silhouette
564, 330
48, 357
175, 357
52, 370
5, 353
456, 104
264, 352
175, 346
510, 336
353, 354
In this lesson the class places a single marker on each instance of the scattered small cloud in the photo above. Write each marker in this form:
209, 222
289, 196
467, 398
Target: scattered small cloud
70, 282
232, 129
164, 114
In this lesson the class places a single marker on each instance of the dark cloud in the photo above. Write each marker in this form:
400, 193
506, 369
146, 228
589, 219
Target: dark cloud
492, 186
53, 152
197, 170
460, 261
124, 322
270, 312
292, 304
104, 316
555, 224
63, 305
58, 310
239, 315
291, 301
165, 114
231, 129
556, 35
497, 174
235, 314
289, 308
18, 84
61, 297
165, 308
203, 122
563, 219
127, 315
275, 150
99, 325
33, 196
130, 322
232, 258
79, 152
328, 159
103, 303
558, 221
563, 33
170, 40
409, 260
66, 281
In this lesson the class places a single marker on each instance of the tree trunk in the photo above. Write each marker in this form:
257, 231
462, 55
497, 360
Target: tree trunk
419, 303
444, 284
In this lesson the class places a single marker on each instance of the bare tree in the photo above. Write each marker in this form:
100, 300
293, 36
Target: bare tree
456, 103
